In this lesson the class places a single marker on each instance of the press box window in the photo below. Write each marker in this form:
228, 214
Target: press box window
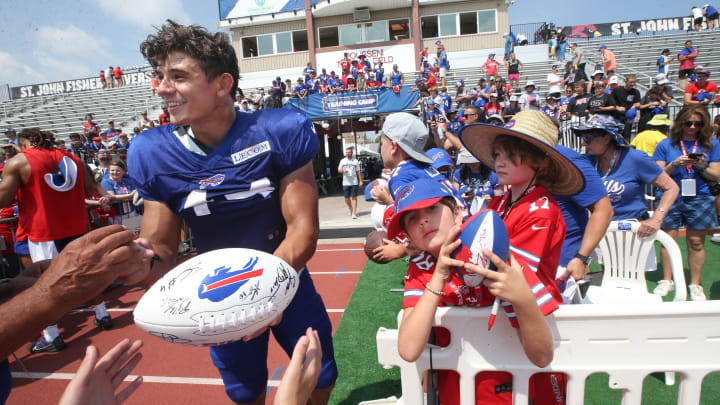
249, 47
486, 21
300, 41
329, 37
448, 25
399, 29
429, 26
468, 23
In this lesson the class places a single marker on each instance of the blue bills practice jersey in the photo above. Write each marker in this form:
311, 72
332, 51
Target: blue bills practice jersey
230, 196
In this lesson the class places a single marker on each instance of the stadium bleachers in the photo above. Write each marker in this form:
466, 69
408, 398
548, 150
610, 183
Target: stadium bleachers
65, 113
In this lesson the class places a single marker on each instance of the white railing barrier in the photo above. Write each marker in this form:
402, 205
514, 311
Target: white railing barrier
626, 342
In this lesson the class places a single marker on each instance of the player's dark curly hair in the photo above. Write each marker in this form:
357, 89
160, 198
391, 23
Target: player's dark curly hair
37, 138
213, 52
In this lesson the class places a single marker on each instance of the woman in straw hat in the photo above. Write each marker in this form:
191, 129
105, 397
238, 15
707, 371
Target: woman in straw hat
626, 172
523, 155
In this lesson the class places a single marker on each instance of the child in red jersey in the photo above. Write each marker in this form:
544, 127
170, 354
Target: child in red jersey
523, 155
426, 210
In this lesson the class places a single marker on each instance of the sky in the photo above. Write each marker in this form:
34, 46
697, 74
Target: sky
51, 40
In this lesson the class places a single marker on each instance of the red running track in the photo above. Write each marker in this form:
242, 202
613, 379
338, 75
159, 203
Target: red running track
172, 374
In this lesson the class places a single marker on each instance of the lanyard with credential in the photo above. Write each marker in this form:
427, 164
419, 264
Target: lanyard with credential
612, 163
685, 153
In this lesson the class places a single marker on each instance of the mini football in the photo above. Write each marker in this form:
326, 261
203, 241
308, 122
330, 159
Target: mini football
373, 241
217, 297
484, 230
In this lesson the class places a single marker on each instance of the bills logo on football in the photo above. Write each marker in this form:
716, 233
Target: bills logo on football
478, 244
223, 281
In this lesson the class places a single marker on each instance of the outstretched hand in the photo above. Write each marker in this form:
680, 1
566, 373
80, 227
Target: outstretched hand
96, 381
302, 373
445, 262
508, 282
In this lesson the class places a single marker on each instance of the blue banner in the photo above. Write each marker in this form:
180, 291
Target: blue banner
372, 101
244, 8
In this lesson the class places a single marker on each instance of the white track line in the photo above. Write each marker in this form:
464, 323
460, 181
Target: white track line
312, 273
146, 378
339, 250
330, 311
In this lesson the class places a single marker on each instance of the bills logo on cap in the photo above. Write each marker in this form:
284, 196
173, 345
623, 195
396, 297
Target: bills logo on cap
213, 181
484, 230
223, 281
510, 124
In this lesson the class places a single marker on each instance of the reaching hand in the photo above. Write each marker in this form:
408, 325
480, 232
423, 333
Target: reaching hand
96, 381
445, 262
301, 376
508, 282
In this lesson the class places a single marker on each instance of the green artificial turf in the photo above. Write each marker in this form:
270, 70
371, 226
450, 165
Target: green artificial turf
373, 305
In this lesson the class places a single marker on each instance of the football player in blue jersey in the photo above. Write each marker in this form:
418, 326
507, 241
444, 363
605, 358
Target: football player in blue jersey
238, 180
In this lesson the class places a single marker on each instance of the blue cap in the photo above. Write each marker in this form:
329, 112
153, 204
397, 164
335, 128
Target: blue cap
460, 82
491, 54
418, 80
440, 158
416, 195
602, 47
631, 114
430, 100
605, 123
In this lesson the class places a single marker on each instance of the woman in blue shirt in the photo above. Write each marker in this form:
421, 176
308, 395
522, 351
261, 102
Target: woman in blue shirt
122, 189
625, 173
691, 156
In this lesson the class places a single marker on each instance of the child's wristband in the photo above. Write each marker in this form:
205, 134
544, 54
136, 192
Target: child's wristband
438, 293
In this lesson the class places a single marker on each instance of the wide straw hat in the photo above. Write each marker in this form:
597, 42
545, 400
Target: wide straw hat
533, 127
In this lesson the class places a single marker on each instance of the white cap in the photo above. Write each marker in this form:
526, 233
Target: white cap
409, 132
513, 98
613, 80
597, 72
530, 83
661, 79
506, 34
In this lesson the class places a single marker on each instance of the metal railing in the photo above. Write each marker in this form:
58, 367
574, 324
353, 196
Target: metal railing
530, 30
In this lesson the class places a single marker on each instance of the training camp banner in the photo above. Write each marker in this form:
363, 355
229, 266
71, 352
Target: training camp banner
346, 103
631, 27
72, 86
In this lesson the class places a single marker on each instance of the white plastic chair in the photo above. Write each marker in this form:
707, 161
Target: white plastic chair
624, 256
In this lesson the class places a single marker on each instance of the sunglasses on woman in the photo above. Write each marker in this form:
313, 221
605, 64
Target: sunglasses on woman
696, 124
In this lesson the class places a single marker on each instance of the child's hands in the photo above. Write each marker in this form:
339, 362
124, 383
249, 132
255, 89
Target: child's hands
445, 262
507, 283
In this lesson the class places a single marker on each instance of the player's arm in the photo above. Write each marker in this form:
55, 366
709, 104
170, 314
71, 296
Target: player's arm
299, 206
601, 214
12, 178
162, 228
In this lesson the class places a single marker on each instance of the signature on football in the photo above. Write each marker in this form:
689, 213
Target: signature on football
175, 306
284, 276
180, 277
168, 337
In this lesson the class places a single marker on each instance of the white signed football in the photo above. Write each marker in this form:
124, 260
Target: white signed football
217, 297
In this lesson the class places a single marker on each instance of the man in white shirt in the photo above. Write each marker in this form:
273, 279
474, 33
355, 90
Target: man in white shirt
529, 100
352, 179
555, 83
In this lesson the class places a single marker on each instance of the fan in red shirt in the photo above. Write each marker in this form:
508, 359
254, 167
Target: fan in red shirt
164, 118
117, 72
703, 90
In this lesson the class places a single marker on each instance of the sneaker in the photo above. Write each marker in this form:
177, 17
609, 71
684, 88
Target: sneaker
42, 346
354, 215
104, 323
664, 287
696, 293
715, 238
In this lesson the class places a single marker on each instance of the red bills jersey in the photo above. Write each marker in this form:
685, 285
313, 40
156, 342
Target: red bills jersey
537, 230
52, 201
490, 387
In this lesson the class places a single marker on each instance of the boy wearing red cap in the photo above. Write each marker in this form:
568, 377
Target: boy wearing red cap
427, 212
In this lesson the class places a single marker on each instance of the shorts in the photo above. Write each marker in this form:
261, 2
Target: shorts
243, 365
514, 76
443, 72
21, 247
49, 249
713, 17
698, 21
350, 191
685, 73
696, 213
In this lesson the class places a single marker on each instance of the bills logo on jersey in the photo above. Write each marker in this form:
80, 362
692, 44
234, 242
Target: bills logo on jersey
65, 176
223, 281
615, 190
213, 181
484, 230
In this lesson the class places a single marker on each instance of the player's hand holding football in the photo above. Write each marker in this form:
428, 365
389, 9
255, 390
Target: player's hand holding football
90, 263
96, 381
301, 377
445, 262
389, 251
508, 282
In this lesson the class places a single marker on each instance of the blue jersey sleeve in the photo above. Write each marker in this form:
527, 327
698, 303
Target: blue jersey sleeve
661, 151
139, 159
646, 168
107, 184
296, 134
